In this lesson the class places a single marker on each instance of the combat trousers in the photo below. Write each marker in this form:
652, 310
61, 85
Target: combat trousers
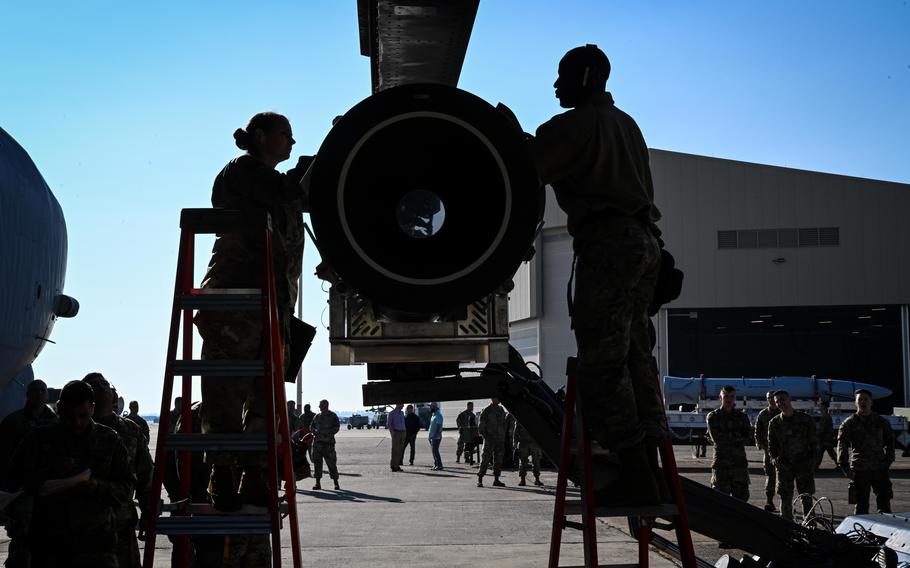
127, 549
770, 478
410, 440
398, 440
248, 551
325, 451
805, 484
492, 452
525, 451
731, 481
616, 269
877, 481
232, 404
459, 449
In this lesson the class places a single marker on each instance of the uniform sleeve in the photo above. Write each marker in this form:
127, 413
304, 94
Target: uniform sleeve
711, 419
556, 146
257, 182
482, 424
336, 424
773, 443
761, 432
843, 445
887, 441
812, 437
117, 489
144, 471
746, 433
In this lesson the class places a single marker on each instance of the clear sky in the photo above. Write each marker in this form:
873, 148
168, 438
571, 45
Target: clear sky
128, 108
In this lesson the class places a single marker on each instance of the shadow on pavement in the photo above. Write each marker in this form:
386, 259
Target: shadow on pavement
345, 495
431, 473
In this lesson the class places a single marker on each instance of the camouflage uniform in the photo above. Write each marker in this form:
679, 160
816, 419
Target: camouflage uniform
596, 159
125, 518
13, 430
729, 432
325, 426
527, 448
75, 527
465, 420
761, 440
493, 429
508, 456
238, 404
143, 425
793, 445
826, 441
865, 446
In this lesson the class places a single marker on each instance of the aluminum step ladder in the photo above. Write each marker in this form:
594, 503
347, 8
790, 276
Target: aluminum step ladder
641, 519
188, 519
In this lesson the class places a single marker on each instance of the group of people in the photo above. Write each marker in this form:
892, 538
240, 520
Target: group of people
793, 449
495, 431
71, 477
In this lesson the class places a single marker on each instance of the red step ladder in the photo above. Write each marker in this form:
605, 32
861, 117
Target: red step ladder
641, 519
188, 519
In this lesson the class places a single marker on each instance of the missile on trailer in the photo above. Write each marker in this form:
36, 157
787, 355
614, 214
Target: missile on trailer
680, 390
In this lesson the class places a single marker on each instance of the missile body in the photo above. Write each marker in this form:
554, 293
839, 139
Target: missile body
680, 390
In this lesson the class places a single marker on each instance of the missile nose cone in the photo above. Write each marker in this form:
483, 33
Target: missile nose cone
877, 391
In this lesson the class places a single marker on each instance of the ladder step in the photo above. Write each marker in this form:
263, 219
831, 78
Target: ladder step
216, 442
218, 368
608, 566
204, 508
215, 524
221, 299
573, 507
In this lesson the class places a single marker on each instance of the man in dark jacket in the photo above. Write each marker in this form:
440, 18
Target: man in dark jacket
411, 427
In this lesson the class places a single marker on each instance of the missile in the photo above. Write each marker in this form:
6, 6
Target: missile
680, 390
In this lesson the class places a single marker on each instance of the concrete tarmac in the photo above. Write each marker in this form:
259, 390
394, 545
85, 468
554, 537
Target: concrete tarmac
380, 518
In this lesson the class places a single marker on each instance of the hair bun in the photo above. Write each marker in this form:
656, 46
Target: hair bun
242, 139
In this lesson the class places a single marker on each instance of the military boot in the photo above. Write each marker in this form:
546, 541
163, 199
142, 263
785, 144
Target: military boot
222, 490
635, 486
522, 482
497, 483
318, 486
479, 481
538, 482
337, 487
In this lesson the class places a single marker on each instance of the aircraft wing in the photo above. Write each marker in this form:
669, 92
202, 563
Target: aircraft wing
415, 41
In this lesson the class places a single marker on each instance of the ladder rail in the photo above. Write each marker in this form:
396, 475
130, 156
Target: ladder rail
277, 427
164, 419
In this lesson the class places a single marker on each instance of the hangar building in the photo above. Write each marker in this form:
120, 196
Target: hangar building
787, 272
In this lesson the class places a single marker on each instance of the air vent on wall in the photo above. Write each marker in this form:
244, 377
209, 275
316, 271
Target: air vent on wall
779, 238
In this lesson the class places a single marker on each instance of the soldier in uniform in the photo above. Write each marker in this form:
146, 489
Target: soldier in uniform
865, 451
138, 420
13, 430
464, 421
493, 429
73, 521
140, 461
792, 445
527, 449
306, 417
826, 441
325, 425
729, 430
249, 182
761, 441
595, 158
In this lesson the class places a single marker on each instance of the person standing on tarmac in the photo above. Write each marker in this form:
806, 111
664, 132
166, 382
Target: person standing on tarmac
595, 158
493, 429
250, 182
324, 426
865, 451
793, 445
412, 427
826, 435
761, 441
729, 430
465, 445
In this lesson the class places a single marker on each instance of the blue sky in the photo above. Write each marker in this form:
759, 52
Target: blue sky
128, 110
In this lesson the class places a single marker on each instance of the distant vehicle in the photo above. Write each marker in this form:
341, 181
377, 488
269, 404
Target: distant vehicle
359, 421
380, 417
